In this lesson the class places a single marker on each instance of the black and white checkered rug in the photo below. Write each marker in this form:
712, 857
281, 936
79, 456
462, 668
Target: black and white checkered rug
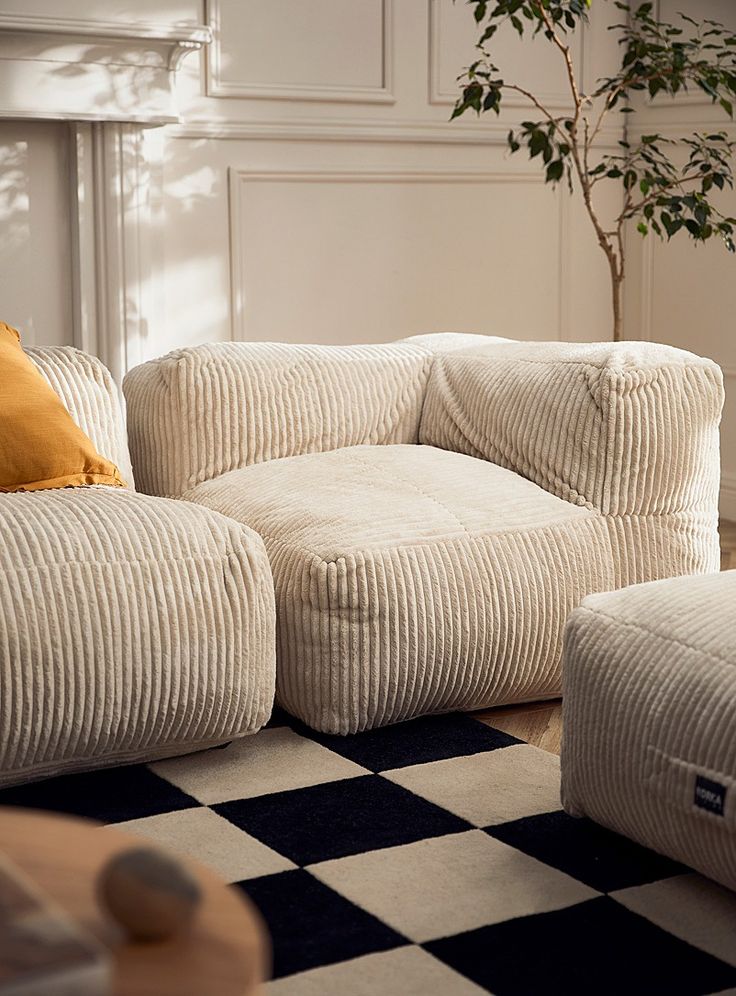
425, 859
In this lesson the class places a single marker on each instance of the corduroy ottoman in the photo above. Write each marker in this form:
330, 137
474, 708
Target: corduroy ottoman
649, 742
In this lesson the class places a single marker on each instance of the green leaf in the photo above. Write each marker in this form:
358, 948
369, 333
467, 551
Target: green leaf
537, 143
555, 171
642, 228
727, 106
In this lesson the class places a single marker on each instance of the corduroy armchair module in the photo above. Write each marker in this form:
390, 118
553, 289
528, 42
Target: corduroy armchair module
130, 627
434, 508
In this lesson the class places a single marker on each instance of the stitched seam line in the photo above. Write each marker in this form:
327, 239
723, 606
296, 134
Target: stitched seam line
660, 636
425, 540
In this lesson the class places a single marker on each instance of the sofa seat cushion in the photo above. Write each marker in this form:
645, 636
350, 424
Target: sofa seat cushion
130, 627
412, 580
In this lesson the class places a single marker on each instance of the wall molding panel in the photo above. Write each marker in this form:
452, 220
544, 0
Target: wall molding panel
437, 95
406, 132
218, 86
240, 180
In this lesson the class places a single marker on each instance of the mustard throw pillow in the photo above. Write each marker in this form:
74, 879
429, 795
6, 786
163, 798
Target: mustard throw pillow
40, 444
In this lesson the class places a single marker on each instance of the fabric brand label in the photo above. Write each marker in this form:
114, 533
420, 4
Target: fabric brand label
709, 795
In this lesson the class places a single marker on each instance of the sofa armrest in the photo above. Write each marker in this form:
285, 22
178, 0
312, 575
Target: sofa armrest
626, 428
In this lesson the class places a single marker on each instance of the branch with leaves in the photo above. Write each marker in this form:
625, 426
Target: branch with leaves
668, 183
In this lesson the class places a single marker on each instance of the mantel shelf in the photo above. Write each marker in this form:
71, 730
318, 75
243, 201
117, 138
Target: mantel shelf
83, 70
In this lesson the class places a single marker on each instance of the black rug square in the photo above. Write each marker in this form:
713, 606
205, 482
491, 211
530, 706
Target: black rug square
431, 738
590, 853
339, 818
597, 947
110, 795
312, 925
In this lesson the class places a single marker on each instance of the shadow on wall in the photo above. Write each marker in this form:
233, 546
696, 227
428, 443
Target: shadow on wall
15, 245
121, 198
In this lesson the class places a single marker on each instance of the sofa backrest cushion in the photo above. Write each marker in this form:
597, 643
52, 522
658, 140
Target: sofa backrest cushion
205, 410
92, 398
628, 428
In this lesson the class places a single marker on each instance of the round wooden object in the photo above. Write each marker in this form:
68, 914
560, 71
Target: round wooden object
225, 950
149, 893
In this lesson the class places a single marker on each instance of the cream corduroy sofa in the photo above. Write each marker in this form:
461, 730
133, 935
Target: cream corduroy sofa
130, 627
649, 717
414, 578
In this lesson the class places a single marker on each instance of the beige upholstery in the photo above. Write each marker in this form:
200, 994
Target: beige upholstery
650, 712
93, 398
131, 627
630, 429
202, 411
412, 580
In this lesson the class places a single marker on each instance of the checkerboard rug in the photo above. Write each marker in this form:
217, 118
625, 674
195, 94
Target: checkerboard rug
428, 858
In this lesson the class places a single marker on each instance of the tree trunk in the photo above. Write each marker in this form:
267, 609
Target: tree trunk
617, 287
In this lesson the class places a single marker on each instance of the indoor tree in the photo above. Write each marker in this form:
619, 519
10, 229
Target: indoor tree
668, 182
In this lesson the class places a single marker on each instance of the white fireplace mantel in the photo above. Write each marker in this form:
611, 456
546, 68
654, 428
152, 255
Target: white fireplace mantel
113, 83
78, 70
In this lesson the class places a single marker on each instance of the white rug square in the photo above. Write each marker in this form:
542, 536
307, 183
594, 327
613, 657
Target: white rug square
693, 908
209, 838
487, 789
441, 886
409, 971
275, 761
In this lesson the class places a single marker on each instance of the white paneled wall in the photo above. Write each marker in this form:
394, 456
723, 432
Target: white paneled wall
293, 50
317, 191
679, 292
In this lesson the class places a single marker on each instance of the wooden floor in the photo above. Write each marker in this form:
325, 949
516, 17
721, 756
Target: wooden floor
540, 723
728, 546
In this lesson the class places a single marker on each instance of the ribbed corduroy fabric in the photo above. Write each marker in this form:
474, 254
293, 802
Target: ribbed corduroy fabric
385, 610
630, 429
649, 710
92, 398
131, 627
206, 410
413, 580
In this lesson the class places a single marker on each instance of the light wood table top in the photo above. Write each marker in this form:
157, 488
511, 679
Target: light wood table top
226, 951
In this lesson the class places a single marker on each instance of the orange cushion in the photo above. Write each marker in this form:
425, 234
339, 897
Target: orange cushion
40, 444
